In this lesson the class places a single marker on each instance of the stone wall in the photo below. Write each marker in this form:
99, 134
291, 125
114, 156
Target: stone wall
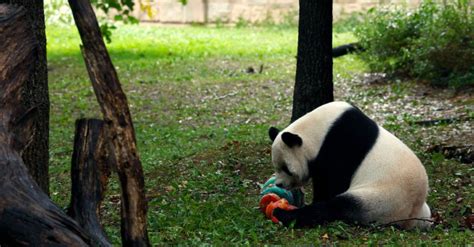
200, 11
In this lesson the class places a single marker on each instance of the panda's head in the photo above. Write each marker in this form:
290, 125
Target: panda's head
289, 159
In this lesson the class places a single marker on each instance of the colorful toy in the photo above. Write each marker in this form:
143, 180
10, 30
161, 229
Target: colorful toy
276, 197
294, 197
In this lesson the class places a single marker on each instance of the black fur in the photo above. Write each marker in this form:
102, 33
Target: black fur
272, 133
344, 148
343, 207
291, 140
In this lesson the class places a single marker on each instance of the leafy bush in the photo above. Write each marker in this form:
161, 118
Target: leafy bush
433, 42
287, 20
348, 23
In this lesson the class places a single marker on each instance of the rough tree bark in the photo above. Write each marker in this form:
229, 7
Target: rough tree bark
27, 216
119, 124
36, 155
89, 176
313, 84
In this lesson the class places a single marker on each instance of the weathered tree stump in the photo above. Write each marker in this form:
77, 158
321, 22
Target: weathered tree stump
114, 106
89, 176
27, 215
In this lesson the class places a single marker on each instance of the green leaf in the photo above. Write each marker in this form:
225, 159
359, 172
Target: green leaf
118, 17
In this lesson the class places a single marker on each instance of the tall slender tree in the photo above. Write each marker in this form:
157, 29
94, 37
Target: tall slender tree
118, 122
313, 84
36, 155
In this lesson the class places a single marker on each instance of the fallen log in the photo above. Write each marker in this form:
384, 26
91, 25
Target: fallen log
27, 215
431, 122
463, 153
346, 49
118, 120
90, 171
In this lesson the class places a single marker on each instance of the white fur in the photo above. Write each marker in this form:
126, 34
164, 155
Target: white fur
392, 173
391, 181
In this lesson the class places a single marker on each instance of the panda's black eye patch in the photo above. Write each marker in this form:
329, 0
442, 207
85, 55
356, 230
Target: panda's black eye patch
285, 170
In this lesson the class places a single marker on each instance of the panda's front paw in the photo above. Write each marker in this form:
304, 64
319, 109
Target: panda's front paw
284, 216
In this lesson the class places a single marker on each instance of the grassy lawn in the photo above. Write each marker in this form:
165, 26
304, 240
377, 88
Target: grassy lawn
201, 118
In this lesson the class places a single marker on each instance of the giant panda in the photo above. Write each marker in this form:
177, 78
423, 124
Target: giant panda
360, 172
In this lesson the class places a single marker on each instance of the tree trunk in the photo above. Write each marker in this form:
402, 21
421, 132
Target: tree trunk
89, 176
27, 215
313, 85
117, 117
36, 155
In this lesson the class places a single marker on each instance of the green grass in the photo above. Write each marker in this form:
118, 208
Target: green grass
201, 123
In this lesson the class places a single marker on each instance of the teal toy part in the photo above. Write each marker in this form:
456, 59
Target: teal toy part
294, 197
282, 193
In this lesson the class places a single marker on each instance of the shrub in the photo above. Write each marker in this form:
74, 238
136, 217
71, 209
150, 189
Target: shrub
348, 23
287, 20
433, 42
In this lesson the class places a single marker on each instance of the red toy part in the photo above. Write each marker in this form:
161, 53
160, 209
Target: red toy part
266, 200
282, 203
269, 209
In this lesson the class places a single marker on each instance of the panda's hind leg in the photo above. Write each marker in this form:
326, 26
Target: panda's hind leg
392, 205
423, 216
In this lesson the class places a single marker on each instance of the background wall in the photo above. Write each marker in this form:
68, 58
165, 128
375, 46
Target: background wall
200, 11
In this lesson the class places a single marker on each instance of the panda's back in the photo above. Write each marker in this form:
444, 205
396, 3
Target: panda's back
390, 159
392, 183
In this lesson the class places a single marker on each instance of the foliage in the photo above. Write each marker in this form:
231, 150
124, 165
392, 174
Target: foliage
242, 22
57, 12
348, 23
288, 20
433, 42
201, 121
120, 9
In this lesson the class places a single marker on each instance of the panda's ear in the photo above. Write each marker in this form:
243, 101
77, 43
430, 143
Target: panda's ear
291, 140
273, 132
